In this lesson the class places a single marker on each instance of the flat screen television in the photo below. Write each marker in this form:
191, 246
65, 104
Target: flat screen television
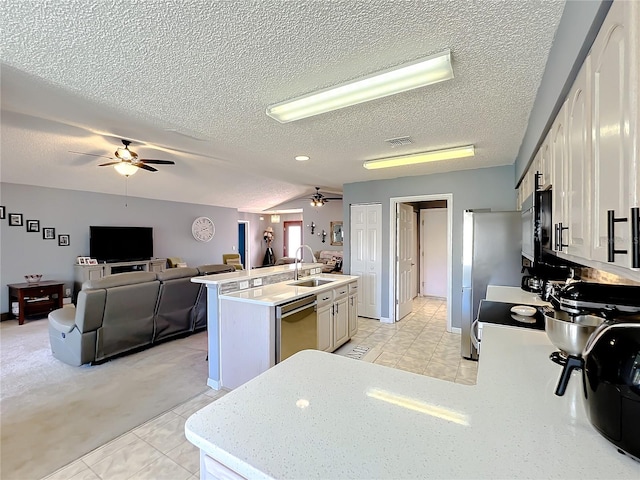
121, 244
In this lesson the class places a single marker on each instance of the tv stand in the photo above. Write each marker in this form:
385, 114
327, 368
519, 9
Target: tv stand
94, 272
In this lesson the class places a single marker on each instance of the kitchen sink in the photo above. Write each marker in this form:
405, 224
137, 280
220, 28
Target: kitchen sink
311, 282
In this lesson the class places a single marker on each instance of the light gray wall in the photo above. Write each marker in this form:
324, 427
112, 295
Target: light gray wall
72, 212
578, 27
483, 188
322, 217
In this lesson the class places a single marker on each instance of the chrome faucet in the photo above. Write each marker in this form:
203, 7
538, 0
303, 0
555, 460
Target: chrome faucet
295, 267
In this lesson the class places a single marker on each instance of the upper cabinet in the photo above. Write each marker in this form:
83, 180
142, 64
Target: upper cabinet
544, 166
578, 178
558, 149
615, 87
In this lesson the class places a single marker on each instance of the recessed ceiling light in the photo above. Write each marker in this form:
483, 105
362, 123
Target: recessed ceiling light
302, 158
432, 156
425, 71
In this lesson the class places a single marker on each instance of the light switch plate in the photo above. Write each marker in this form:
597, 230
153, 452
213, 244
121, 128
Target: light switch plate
244, 284
257, 282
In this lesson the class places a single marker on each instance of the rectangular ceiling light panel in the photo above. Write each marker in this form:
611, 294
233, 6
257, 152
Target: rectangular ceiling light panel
433, 156
425, 71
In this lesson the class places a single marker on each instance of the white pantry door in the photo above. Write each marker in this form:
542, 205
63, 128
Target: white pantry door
366, 257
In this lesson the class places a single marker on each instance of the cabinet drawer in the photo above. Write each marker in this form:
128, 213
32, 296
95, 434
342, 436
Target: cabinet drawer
324, 298
340, 292
353, 287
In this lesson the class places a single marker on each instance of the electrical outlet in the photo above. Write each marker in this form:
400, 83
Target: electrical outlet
244, 284
257, 282
67, 292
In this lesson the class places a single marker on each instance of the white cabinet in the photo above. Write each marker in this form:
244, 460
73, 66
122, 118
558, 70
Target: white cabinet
325, 321
615, 85
578, 179
353, 309
558, 148
340, 316
544, 165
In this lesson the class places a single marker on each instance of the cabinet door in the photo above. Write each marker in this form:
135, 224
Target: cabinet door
353, 315
579, 165
614, 80
325, 328
545, 164
559, 163
340, 322
93, 273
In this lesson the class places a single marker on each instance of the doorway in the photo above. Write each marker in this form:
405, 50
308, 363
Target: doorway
244, 244
292, 238
399, 298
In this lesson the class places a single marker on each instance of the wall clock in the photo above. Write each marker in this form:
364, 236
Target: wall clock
203, 229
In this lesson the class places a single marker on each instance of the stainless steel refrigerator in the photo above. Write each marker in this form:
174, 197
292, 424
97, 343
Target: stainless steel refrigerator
491, 255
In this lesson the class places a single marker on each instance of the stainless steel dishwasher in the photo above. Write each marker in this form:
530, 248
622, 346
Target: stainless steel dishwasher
296, 327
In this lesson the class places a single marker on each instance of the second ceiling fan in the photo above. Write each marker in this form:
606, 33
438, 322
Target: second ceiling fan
318, 199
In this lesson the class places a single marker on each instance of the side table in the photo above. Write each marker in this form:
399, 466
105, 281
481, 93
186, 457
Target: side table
36, 298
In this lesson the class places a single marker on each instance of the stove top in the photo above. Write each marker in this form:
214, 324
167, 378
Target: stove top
500, 313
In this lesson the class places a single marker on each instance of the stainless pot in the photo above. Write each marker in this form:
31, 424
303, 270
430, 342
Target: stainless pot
569, 332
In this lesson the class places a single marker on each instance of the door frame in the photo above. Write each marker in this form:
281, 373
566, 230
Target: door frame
393, 248
285, 225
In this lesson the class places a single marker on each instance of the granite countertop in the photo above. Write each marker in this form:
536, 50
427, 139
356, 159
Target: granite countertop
318, 415
282, 292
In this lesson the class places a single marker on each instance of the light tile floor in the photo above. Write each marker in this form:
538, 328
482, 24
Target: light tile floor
419, 343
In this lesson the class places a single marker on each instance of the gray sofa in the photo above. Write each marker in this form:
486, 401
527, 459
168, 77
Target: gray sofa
128, 311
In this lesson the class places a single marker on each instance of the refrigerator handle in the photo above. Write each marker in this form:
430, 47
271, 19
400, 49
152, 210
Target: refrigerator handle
474, 337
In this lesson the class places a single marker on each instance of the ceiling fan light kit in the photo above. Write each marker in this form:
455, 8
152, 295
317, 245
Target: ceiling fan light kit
125, 168
426, 71
423, 157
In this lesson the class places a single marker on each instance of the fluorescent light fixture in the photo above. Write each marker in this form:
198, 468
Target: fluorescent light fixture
125, 168
428, 70
412, 159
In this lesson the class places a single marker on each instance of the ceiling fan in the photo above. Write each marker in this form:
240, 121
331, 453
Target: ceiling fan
127, 162
318, 199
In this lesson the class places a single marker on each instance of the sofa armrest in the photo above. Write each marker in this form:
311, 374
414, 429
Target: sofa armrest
63, 319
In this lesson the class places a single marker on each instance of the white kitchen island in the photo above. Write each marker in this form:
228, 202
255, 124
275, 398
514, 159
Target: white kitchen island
318, 415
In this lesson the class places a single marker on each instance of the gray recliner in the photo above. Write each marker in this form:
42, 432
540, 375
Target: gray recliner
176, 302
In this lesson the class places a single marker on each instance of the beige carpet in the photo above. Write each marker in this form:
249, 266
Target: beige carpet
52, 413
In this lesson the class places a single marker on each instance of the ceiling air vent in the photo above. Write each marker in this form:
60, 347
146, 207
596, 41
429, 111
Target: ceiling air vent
399, 142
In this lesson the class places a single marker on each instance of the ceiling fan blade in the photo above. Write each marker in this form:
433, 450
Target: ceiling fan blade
158, 162
145, 167
107, 164
92, 154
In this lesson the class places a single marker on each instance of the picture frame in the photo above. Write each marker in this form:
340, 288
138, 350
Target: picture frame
33, 225
82, 260
337, 236
92, 261
3, 212
48, 233
15, 219
64, 240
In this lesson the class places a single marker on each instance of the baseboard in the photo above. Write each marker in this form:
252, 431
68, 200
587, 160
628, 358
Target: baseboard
457, 330
385, 320
215, 384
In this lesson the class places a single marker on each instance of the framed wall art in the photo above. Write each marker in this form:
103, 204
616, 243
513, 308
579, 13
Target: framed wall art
15, 219
63, 240
48, 233
33, 225
3, 212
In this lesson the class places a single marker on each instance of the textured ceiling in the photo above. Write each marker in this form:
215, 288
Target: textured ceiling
190, 81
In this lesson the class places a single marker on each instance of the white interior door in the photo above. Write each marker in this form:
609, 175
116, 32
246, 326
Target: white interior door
435, 278
404, 259
366, 257
415, 241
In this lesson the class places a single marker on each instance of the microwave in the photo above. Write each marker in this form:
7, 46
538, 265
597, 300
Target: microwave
537, 225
